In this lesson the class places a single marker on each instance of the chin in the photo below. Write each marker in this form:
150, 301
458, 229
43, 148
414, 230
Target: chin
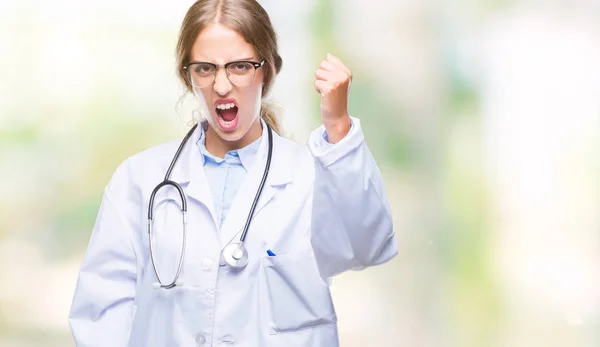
231, 136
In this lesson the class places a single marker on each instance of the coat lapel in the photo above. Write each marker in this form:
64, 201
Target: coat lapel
189, 173
279, 174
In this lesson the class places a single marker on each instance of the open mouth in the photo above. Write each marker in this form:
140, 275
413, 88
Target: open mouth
227, 116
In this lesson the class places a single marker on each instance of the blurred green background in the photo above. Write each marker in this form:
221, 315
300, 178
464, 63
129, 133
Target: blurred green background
484, 117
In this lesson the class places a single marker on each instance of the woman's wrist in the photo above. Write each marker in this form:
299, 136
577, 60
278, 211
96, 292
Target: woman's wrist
337, 128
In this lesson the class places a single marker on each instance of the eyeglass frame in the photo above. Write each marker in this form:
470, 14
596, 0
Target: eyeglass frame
256, 65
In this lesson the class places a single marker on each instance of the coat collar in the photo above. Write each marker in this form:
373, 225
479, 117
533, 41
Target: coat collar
190, 165
189, 173
245, 155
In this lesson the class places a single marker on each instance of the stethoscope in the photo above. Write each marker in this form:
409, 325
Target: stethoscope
235, 254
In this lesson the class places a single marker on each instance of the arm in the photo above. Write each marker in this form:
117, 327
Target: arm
103, 304
351, 219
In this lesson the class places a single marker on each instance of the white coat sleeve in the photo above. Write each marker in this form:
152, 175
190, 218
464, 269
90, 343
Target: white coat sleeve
102, 307
351, 218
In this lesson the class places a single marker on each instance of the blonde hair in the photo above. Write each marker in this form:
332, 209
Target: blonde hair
250, 20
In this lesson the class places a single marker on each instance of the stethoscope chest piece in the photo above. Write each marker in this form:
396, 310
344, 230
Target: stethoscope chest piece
235, 255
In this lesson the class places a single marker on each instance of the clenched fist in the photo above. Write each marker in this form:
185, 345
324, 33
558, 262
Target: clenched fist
333, 83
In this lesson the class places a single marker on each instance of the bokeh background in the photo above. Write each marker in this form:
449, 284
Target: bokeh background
484, 117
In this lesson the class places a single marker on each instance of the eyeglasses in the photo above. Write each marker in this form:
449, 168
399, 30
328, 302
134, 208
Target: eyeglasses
239, 73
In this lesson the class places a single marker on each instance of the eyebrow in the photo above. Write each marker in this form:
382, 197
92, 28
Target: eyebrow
231, 61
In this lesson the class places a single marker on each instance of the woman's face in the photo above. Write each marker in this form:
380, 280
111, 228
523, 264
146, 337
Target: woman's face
231, 110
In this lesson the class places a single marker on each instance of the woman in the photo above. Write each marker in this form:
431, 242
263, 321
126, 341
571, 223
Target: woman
315, 211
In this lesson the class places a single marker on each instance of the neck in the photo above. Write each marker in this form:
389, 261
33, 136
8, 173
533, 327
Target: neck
217, 146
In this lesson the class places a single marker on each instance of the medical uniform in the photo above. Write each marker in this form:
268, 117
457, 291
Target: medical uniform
322, 211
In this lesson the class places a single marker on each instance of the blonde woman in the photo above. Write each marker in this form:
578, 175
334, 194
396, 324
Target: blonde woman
230, 236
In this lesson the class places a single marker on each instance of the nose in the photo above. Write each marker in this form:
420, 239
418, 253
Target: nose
222, 85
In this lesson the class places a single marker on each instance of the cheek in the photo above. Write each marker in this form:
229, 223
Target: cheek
252, 98
257, 86
204, 99
203, 95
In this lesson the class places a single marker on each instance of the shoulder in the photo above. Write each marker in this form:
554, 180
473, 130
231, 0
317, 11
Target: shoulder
156, 156
149, 165
292, 163
290, 149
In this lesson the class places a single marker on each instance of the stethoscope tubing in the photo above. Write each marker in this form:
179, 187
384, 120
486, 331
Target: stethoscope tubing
168, 182
260, 187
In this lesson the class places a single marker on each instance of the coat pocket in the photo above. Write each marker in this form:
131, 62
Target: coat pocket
168, 317
297, 297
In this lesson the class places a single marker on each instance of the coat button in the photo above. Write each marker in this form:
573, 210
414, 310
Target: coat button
227, 340
207, 264
200, 339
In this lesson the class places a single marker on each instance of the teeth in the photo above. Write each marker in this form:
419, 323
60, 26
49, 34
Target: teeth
226, 123
225, 106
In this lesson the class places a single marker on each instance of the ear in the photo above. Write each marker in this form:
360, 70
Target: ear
278, 64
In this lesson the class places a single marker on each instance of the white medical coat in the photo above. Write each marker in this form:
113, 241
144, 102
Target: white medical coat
322, 212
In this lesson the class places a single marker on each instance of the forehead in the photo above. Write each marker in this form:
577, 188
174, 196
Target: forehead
219, 44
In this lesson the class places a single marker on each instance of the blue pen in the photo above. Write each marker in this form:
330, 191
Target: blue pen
271, 254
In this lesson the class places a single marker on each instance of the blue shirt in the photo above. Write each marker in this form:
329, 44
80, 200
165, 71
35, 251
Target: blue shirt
225, 175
